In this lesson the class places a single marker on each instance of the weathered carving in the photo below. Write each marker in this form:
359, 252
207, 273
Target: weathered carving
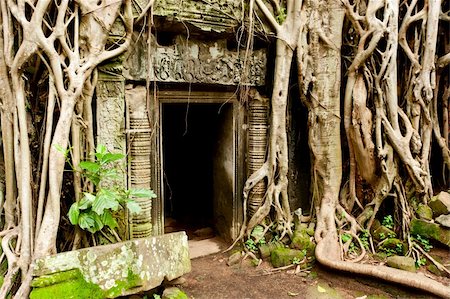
139, 143
208, 15
197, 62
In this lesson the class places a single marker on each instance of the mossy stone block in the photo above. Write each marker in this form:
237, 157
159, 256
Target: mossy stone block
424, 212
302, 240
430, 230
281, 257
401, 262
382, 232
396, 245
266, 249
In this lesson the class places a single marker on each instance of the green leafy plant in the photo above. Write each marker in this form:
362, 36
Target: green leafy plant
421, 262
388, 221
250, 245
346, 237
95, 210
296, 261
364, 237
281, 16
423, 241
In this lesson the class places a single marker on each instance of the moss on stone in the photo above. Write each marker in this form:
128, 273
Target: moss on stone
302, 240
285, 256
73, 287
430, 230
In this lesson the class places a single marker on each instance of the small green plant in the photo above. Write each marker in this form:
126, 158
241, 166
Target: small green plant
95, 210
421, 262
250, 245
423, 241
382, 236
281, 16
296, 261
346, 237
388, 221
364, 237
156, 296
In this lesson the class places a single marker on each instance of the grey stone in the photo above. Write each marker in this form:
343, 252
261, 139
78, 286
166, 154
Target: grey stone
443, 220
173, 293
440, 204
147, 261
401, 262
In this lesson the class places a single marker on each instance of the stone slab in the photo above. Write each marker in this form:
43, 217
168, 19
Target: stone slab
117, 269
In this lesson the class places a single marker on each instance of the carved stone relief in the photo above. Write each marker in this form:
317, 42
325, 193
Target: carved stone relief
196, 62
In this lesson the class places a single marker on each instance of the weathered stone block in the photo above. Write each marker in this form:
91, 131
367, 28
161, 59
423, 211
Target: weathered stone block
440, 204
424, 212
443, 220
285, 256
401, 262
112, 270
430, 230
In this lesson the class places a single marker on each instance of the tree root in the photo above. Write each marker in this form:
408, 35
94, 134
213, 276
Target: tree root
329, 244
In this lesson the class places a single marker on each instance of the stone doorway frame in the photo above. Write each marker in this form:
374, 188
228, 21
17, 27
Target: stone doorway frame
172, 96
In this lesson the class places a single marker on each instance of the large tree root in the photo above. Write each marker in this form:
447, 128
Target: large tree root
327, 254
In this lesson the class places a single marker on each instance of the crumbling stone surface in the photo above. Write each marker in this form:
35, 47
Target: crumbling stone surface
112, 270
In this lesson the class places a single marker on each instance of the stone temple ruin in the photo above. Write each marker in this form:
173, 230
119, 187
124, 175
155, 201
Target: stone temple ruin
190, 138
173, 105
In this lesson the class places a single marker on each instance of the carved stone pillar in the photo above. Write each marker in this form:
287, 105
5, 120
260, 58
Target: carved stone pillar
258, 108
110, 111
139, 170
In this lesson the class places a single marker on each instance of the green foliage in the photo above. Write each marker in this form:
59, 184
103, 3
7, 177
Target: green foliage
421, 262
296, 261
364, 237
95, 210
156, 296
281, 16
423, 242
346, 237
257, 234
388, 222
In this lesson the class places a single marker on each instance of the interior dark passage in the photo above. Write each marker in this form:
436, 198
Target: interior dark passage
193, 137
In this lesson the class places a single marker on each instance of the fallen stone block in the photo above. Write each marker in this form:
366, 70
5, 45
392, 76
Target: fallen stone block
285, 256
401, 262
113, 270
440, 204
430, 230
443, 220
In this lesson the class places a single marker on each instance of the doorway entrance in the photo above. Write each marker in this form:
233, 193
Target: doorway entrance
201, 165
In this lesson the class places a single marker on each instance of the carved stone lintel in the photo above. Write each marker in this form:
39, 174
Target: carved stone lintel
197, 62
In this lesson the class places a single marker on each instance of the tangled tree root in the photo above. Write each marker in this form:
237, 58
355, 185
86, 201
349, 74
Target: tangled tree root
327, 254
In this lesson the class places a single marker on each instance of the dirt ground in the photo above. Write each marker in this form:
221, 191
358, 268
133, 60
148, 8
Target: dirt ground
212, 278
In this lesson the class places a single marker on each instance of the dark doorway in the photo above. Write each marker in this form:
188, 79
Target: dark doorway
194, 137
